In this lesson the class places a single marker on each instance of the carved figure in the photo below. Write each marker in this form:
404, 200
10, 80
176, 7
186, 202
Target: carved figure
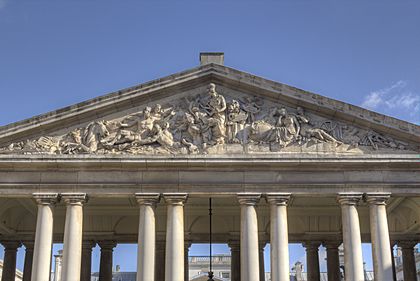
210, 119
286, 129
133, 130
259, 131
159, 114
252, 107
216, 107
236, 119
194, 130
160, 135
308, 131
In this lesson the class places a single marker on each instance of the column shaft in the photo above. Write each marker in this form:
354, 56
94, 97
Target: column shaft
9, 262
409, 260
86, 269
187, 246
235, 263
174, 258
105, 266
29, 257
41, 263
333, 260
353, 259
250, 268
394, 272
261, 260
160, 261
312, 261
73, 232
147, 236
279, 236
381, 248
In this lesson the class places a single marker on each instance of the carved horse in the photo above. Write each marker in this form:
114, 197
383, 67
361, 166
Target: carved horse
94, 133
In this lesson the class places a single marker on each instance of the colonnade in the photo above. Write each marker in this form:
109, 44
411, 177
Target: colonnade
246, 253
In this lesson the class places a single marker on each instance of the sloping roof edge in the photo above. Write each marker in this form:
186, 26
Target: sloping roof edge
317, 102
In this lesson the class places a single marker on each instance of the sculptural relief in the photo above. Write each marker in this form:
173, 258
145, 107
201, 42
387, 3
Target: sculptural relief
209, 122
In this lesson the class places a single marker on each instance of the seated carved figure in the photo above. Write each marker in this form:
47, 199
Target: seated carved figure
159, 134
286, 129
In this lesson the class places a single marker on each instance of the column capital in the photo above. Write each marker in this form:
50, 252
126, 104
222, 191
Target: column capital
377, 198
149, 199
107, 245
332, 244
29, 245
45, 198
234, 245
349, 199
248, 198
311, 245
279, 199
11, 245
74, 198
187, 244
175, 198
407, 244
261, 245
88, 244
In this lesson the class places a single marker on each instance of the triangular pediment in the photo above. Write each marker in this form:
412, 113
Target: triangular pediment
212, 110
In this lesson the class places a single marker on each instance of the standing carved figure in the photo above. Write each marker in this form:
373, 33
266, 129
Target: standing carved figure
216, 108
236, 119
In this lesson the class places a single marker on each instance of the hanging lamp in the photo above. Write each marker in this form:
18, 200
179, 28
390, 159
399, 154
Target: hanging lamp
210, 239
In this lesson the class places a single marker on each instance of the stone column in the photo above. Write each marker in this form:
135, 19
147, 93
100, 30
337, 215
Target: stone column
174, 258
105, 265
333, 260
73, 232
86, 270
147, 236
381, 248
41, 263
250, 268
353, 259
58, 260
29, 257
312, 260
235, 262
261, 260
160, 261
187, 245
394, 272
409, 260
279, 236
9, 262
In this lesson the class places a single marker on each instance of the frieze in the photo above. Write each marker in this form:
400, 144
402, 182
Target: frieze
211, 123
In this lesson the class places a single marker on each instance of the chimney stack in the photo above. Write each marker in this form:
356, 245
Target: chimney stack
210, 57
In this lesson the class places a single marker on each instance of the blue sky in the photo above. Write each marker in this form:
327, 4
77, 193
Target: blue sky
57, 53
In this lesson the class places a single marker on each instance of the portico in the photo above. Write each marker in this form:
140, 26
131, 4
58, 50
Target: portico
282, 166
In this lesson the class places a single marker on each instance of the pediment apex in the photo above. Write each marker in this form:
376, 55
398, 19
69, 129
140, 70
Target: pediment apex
236, 86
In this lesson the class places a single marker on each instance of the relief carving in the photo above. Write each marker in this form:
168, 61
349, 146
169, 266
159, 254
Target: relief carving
211, 123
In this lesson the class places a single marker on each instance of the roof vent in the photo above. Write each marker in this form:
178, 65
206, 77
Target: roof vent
217, 58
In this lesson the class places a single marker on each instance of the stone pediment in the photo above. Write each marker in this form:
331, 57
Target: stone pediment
210, 110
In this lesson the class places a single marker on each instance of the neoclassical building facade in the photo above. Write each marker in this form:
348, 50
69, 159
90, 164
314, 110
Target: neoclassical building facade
138, 166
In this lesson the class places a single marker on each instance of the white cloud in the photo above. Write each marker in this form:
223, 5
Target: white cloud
396, 100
